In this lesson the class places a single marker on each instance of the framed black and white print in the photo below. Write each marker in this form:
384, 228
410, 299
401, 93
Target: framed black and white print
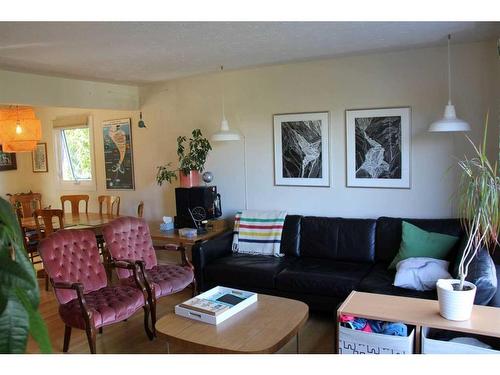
378, 147
301, 149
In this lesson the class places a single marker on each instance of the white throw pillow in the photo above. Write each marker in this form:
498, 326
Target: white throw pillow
421, 273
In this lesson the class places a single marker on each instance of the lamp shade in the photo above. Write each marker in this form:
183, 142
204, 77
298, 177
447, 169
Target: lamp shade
449, 122
19, 129
225, 134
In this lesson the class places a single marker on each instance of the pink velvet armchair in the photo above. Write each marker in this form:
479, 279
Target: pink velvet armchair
86, 301
128, 239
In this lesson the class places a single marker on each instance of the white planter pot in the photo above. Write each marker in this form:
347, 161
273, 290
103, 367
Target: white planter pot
455, 304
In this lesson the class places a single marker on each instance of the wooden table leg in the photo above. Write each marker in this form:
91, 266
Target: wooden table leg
298, 343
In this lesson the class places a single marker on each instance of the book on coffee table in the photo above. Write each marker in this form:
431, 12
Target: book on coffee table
216, 305
204, 306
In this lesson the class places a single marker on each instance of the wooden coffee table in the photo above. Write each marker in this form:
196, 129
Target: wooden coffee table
264, 327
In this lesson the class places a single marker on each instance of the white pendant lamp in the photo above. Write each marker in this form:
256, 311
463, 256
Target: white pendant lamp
224, 133
449, 122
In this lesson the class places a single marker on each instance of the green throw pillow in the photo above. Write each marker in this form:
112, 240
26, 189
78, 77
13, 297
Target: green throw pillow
416, 242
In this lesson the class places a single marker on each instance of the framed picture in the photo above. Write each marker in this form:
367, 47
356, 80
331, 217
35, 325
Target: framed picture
301, 149
7, 161
378, 147
39, 158
118, 157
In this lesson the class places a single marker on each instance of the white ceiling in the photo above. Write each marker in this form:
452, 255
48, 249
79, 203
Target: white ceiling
140, 52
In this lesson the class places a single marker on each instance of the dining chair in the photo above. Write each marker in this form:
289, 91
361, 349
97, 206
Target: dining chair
128, 239
75, 202
140, 209
86, 300
30, 239
26, 203
46, 228
112, 203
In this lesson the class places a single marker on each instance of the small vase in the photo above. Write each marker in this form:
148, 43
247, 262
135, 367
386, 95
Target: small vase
189, 180
455, 304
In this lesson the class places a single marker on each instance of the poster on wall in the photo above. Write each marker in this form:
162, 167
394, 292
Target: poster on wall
39, 158
378, 147
8, 161
301, 149
118, 157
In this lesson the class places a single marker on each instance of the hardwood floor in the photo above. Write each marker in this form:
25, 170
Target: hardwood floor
129, 337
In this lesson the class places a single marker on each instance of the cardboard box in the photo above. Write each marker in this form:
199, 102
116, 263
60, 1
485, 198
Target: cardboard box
358, 342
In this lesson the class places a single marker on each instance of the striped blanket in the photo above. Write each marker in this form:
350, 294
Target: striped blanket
258, 232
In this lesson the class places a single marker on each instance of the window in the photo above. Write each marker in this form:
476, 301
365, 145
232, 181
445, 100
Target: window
75, 154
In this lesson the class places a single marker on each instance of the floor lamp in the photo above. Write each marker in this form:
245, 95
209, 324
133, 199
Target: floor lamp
227, 135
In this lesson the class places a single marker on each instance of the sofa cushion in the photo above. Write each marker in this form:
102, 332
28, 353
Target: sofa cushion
482, 273
416, 242
240, 270
380, 280
350, 240
495, 301
322, 277
389, 232
290, 237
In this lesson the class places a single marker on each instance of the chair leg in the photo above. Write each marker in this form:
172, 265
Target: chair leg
153, 315
194, 285
46, 281
67, 337
146, 322
90, 331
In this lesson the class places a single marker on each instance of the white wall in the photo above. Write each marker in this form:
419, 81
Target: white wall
40, 90
415, 78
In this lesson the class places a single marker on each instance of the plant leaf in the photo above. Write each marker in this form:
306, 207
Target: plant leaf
14, 327
12, 274
37, 327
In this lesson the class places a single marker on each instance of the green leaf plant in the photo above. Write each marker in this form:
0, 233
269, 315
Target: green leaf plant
478, 204
19, 293
192, 160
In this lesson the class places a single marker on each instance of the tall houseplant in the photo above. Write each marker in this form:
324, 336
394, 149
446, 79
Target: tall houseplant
478, 206
191, 160
19, 293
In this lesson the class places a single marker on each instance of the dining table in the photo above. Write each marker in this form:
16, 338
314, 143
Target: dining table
91, 220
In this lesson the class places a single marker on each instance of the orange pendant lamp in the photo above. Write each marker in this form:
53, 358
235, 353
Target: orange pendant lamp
20, 130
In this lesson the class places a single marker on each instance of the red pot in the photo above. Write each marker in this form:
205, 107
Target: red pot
189, 180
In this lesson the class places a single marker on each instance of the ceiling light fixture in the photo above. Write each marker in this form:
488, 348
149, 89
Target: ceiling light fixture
449, 122
20, 130
224, 133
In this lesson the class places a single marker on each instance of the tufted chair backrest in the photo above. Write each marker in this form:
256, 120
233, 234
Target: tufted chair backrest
71, 256
128, 238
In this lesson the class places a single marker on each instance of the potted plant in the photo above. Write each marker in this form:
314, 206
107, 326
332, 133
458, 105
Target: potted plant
479, 200
191, 161
19, 293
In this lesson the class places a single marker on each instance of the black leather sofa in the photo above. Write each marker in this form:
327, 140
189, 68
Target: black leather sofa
324, 259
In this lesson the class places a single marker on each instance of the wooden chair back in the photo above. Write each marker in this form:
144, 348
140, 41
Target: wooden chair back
26, 203
48, 226
112, 203
140, 209
75, 202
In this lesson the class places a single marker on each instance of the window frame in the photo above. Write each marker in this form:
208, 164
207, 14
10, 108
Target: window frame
79, 185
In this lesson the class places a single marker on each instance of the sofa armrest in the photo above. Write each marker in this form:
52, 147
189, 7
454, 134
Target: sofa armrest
207, 251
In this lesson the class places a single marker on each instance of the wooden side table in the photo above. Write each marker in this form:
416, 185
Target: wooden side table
172, 237
484, 320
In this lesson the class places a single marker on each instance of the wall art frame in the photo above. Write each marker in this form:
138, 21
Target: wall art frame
378, 147
302, 149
